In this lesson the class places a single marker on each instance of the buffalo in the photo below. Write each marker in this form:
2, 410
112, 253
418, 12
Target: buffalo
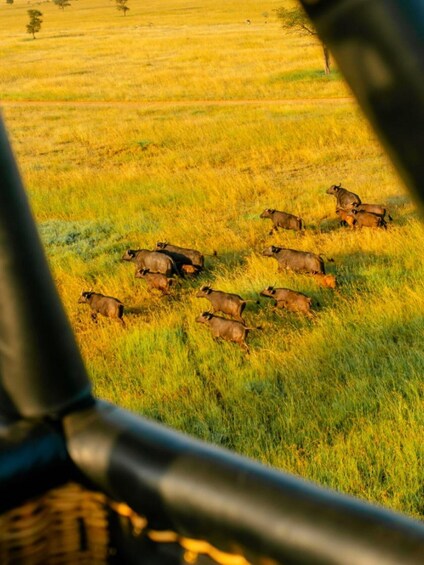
181, 255
104, 305
298, 261
282, 220
366, 219
346, 217
225, 302
222, 328
156, 281
153, 261
345, 199
377, 209
289, 299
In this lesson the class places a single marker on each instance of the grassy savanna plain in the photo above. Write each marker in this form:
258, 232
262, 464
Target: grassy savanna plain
182, 122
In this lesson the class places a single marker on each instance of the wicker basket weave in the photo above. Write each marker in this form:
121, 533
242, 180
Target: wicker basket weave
70, 525
67, 525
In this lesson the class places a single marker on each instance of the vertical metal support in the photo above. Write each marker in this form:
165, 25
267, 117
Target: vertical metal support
41, 369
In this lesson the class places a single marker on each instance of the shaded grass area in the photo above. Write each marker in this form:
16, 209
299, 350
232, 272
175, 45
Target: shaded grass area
307, 75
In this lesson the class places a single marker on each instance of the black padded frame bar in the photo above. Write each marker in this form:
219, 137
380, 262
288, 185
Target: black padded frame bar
42, 372
379, 47
239, 506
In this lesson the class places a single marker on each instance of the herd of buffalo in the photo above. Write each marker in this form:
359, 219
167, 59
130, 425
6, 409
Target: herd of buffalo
160, 266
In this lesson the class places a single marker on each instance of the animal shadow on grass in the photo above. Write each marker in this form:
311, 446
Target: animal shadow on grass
290, 319
327, 224
137, 310
355, 261
229, 347
397, 201
146, 312
221, 264
399, 209
228, 260
350, 266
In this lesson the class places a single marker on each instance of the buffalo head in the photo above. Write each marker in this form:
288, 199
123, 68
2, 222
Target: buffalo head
334, 189
85, 296
128, 255
271, 251
269, 291
204, 291
204, 318
267, 213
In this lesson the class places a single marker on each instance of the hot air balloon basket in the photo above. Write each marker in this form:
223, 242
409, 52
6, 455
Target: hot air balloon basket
72, 525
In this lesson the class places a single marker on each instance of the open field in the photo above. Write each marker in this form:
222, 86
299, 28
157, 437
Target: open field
181, 122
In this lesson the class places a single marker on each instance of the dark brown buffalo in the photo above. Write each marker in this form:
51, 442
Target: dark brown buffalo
225, 302
155, 281
104, 305
377, 209
282, 220
152, 260
365, 219
222, 328
345, 199
181, 255
298, 261
289, 299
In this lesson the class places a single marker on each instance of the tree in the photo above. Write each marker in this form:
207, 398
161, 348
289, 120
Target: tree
296, 19
121, 5
62, 3
35, 22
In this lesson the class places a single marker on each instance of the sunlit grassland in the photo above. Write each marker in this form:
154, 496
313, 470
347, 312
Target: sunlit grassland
337, 399
91, 52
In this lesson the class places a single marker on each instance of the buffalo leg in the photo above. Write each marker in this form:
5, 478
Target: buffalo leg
245, 347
